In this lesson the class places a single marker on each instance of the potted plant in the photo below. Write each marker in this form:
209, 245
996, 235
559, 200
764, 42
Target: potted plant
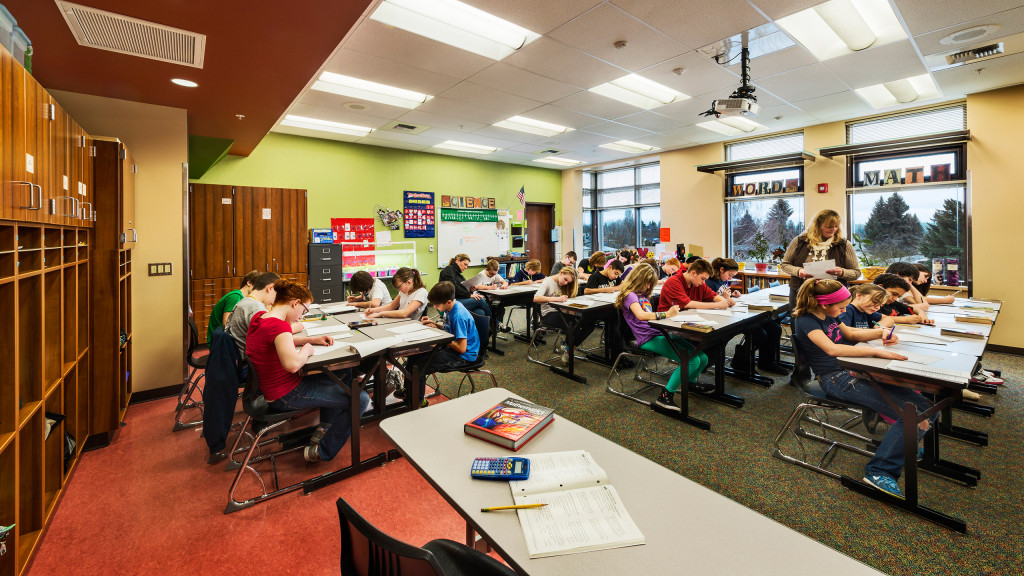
777, 254
759, 251
870, 266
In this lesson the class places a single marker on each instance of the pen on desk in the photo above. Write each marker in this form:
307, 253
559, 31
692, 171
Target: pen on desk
891, 331
516, 507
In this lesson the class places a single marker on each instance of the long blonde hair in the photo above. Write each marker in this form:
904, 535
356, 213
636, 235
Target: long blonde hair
813, 231
806, 303
641, 280
873, 292
570, 288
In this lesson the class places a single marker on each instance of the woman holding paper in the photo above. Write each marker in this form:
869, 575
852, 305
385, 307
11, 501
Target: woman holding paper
822, 241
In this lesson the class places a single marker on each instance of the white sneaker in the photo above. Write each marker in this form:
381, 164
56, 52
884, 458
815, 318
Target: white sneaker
986, 377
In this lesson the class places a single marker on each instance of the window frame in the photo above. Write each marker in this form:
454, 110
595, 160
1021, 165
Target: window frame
730, 178
592, 213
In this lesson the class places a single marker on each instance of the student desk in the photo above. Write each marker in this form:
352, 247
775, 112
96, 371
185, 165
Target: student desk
511, 296
875, 371
688, 528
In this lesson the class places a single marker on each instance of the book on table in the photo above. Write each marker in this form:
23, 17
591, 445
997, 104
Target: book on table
961, 332
583, 513
511, 423
974, 319
761, 306
779, 297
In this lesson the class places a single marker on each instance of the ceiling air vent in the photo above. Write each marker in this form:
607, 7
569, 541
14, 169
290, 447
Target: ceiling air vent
975, 54
118, 33
550, 152
404, 127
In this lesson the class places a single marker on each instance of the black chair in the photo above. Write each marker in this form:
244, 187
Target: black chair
366, 551
263, 419
196, 359
631, 386
483, 327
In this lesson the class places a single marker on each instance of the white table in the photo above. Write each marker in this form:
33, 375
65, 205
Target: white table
688, 528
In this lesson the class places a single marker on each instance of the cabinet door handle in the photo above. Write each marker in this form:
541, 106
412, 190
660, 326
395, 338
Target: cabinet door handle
83, 216
31, 196
135, 235
74, 206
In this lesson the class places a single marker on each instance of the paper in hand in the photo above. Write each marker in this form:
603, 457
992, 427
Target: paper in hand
817, 269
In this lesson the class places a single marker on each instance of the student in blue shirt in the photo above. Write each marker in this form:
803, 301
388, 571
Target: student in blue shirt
529, 274
863, 311
460, 323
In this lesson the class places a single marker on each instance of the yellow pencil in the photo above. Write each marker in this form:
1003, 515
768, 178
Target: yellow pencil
516, 507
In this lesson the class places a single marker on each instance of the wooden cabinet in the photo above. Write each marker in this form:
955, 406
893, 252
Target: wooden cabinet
211, 231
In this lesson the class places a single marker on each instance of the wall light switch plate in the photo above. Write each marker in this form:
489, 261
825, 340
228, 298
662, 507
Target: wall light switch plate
160, 269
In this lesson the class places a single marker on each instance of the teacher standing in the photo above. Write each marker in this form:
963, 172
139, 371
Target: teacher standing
821, 241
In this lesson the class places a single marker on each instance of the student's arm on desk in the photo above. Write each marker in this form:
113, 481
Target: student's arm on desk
321, 340
835, 350
868, 334
718, 303
291, 359
641, 314
390, 310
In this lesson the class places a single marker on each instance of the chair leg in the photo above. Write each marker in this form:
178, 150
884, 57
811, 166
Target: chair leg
641, 366
186, 404
533, 350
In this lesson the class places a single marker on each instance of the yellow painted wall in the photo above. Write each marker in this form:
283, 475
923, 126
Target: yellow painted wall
158, 139
691, 201
996, 121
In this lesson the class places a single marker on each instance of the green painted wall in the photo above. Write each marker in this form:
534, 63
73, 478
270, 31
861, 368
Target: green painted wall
347, 180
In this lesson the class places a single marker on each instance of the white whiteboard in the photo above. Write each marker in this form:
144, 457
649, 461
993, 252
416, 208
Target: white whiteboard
476, 239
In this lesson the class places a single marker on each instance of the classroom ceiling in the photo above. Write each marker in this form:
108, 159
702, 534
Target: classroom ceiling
549, 78
259, 54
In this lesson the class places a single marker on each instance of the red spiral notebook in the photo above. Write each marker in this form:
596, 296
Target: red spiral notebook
511, 423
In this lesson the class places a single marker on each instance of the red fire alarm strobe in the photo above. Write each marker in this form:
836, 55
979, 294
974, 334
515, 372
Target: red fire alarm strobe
823, 188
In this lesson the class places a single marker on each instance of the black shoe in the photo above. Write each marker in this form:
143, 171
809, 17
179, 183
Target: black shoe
626, 364
870, 418
666, 401
399, 393
216, 457
773, 367
701, 387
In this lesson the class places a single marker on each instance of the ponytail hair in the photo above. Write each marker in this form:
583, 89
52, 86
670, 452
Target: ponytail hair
288, 290
806, 301
458, 258
723, 263
404, 274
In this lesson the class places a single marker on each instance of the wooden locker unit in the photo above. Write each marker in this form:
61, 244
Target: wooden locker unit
211, 224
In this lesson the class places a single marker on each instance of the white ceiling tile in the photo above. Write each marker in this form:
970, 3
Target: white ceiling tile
688, 111
540, 16
509, 135
560, 62
776, 9
501, 76
337, 115
422, 118
517, 156
480, 95
995, 73
597, 31
335, 102
562, 117
615, 131
928, 15
1010, 22
700, 74
694, 23
776, 63
369, 67
372, 37
370, 141
835, 106
408, 139
667, 141
597, 105
649, 121
575, 139
876, 65
456, 109
803, 83
784, 117
314, 134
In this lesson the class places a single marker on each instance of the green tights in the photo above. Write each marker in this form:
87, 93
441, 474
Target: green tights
698, 362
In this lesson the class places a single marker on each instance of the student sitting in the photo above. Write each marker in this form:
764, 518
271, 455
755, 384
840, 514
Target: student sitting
222, 309
590, 265
924, 283
598, 283
453, 273
529, 274
272, 349
669, 268
686, 263
688, 291
898, 288
412, 297
913, 298
556, 288
460, 352
724, 271
568, 260
634, 302
649, 261
821, 337
488, 278
367, 291
260, 299
862, 311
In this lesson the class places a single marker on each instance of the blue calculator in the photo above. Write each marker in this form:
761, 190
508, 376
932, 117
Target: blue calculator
500, 468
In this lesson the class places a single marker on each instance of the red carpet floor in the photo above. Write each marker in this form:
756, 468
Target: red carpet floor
149, 504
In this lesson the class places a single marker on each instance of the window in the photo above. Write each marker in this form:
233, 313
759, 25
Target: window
766, 204
621, 208
911, 206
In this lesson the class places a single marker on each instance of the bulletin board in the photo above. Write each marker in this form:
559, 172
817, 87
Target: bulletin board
476, 233
350, 230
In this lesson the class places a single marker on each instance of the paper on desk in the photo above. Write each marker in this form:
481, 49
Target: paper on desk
321, 350
695, 318
552, 471
817, 269
418, 335
337, 308
912, 356
605, 296
371, 347
924, 338
331, 328
721, 312
405, 328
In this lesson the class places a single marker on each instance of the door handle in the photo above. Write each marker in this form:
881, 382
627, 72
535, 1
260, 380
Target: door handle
135, 235
82, 216
31, 196
74, 205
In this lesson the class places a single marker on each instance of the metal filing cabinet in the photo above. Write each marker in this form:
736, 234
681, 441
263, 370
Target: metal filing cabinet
325, 279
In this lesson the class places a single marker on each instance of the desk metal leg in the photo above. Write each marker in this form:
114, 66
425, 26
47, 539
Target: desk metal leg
684, 396
752, 376
946, 428
720, 395
570, 346
493, 346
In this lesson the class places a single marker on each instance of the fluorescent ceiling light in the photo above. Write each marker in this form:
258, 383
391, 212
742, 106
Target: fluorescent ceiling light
183, 82
639, 91
465, 147
324, 125
455, 24
559, 161
841, 27
898, 92
532, 126
627, 146
366, 90
730, 125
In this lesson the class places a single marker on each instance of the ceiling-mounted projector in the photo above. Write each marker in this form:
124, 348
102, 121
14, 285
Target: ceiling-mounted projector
742, 102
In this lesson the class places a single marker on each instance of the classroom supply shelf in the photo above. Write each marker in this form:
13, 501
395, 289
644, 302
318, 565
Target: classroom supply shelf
378, 259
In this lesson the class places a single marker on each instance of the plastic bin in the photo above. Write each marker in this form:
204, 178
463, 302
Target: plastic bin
7, 24
21, 45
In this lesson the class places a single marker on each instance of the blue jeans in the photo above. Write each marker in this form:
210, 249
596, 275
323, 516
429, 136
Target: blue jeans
475, 306
888, 458
320, 391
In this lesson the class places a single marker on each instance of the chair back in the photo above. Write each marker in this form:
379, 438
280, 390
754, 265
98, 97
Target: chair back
483, 329
193, 333
774, 283
253, 402
753, 289
366, 551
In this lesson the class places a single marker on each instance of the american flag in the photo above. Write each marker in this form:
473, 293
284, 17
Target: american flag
522, 195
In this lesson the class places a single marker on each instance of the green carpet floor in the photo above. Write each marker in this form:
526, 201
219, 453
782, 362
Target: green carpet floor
734, 459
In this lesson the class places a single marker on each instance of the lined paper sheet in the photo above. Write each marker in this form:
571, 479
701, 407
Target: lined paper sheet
407, 328
332, 328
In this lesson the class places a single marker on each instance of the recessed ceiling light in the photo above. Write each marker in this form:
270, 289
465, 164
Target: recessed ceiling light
627, 146
841, 27
639, 91
240, 116
969, 35
531, 126
559, 161
183, 82
465, 147
324, 125
898, 92
366, 90
731, 125
455, 24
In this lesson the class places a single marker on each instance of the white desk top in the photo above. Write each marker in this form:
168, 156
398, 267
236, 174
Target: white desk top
687, 527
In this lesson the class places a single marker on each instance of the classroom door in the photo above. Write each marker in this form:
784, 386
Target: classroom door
540, 221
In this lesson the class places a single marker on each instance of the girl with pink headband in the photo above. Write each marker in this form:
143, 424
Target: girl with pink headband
820, 337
